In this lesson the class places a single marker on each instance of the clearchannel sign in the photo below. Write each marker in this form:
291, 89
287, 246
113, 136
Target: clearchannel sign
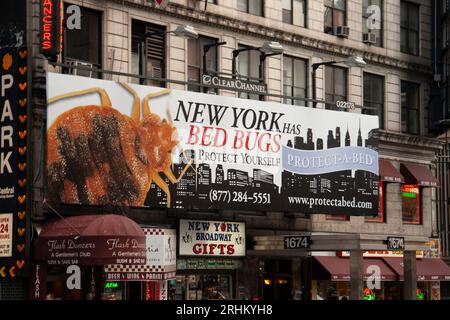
237, 84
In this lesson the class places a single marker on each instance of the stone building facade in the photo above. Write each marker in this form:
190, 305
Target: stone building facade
226, 21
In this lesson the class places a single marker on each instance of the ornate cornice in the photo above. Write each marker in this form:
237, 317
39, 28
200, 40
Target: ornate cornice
269, 33
419, 142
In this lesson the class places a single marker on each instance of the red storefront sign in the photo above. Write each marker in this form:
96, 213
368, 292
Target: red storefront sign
92, 250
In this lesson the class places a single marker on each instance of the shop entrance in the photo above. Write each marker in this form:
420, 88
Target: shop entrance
277, 280
204, 287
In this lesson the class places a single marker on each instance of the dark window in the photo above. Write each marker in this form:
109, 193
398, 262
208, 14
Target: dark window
411, 204
374, 97
195, 60
335, 86
255, 7
372, 19
83, 47
294, 12
294, 80
334, 14
148, 52
409, 28
410, 107
248, 69
381, 217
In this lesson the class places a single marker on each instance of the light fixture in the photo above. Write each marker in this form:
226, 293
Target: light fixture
268, 48
355, 61
185, 31
268, 282
271, 47
352, 61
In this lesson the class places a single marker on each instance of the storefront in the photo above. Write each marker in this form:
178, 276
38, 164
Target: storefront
153, 281
383, 275
210, 253
273, 270
70, 255
206, 279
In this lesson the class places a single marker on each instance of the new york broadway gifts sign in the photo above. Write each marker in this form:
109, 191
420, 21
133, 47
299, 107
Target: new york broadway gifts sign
131, 145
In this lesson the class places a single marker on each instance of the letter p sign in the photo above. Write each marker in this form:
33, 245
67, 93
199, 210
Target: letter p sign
374, 280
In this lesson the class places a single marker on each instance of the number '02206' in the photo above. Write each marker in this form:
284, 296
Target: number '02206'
233, 309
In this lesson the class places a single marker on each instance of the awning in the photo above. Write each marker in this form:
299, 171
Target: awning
160, 263
389, 173
339, 268
136, 273
92, 240
418, 174
426, 269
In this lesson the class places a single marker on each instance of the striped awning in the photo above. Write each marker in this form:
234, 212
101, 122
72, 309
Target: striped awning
115, 272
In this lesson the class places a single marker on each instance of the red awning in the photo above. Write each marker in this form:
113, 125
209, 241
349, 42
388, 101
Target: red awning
339, 268
92, 240
418, 174
426, 269
388, 172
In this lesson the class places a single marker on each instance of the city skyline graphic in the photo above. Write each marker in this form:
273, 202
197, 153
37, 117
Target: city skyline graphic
193, 190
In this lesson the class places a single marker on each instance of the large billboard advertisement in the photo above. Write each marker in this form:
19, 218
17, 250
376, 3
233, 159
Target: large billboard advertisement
122, 144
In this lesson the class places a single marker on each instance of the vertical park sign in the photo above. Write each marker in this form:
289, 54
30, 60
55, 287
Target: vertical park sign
13, 162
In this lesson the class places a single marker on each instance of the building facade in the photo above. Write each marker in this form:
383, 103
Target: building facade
440, 96
119, 39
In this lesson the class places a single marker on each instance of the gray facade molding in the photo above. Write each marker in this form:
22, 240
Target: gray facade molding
422, 143
335, 242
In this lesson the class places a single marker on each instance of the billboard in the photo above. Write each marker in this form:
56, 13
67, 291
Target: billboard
122, 144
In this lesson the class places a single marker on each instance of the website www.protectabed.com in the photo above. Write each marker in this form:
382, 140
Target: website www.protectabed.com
311, 202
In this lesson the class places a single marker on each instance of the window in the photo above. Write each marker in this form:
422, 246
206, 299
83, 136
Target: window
372, 19
335, 86
248, 68
409, 28
294, 12
381, 217
374, 97
195, 60
410, 108
255, 7
411, 204
294, 80
148, 52
83, 47
334, 14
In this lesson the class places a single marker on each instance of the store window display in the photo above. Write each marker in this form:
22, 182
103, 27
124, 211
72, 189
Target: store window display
203, 287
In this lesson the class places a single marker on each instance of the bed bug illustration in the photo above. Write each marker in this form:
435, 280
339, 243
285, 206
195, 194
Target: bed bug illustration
98, 156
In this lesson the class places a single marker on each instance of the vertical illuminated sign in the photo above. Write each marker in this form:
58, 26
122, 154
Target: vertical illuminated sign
13, 162
51, 27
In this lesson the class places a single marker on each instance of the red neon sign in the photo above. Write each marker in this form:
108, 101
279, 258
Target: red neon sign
51, 27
